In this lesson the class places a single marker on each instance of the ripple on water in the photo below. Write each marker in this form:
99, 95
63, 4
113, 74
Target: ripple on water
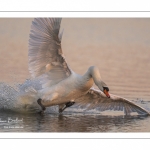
75, 123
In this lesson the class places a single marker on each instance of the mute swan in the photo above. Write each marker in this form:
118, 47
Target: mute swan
60, 84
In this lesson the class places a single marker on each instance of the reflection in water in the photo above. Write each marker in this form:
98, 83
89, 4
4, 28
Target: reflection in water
74, 123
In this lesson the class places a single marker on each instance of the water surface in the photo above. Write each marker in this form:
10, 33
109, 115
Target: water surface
73, 123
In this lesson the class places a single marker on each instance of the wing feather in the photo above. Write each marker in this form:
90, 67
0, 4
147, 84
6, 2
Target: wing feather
45, 53
103, 103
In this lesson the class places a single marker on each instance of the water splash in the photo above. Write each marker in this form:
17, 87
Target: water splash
22, 97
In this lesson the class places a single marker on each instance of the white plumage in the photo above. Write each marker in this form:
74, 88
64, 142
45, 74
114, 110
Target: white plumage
60, 84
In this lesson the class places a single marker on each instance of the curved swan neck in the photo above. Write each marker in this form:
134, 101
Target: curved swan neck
93, 72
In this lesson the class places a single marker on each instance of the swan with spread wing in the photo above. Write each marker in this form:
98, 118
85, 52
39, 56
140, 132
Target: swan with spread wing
60, 84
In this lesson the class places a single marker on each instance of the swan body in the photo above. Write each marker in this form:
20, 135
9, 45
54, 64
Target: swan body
69, 89
60, 84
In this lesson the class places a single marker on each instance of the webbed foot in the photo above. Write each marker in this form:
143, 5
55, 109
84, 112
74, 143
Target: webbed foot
66, 105
43, 107
69, 104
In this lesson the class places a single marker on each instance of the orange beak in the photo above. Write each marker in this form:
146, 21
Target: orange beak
106, 93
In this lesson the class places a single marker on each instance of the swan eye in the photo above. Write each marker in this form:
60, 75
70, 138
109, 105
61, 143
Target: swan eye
106, 88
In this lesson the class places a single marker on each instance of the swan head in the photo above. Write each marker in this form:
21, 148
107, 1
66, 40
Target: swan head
103, 87
106, 91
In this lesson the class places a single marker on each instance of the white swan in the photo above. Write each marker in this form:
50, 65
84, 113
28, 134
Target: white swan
62, 86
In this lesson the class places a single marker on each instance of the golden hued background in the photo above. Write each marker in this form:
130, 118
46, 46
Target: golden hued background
119, 47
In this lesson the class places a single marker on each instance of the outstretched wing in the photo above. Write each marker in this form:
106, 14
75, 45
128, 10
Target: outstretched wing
45, 52
95, 99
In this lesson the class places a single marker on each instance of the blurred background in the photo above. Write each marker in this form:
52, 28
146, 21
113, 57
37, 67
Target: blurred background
120, 48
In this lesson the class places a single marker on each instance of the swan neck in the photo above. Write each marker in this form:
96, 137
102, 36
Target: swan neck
93, 72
